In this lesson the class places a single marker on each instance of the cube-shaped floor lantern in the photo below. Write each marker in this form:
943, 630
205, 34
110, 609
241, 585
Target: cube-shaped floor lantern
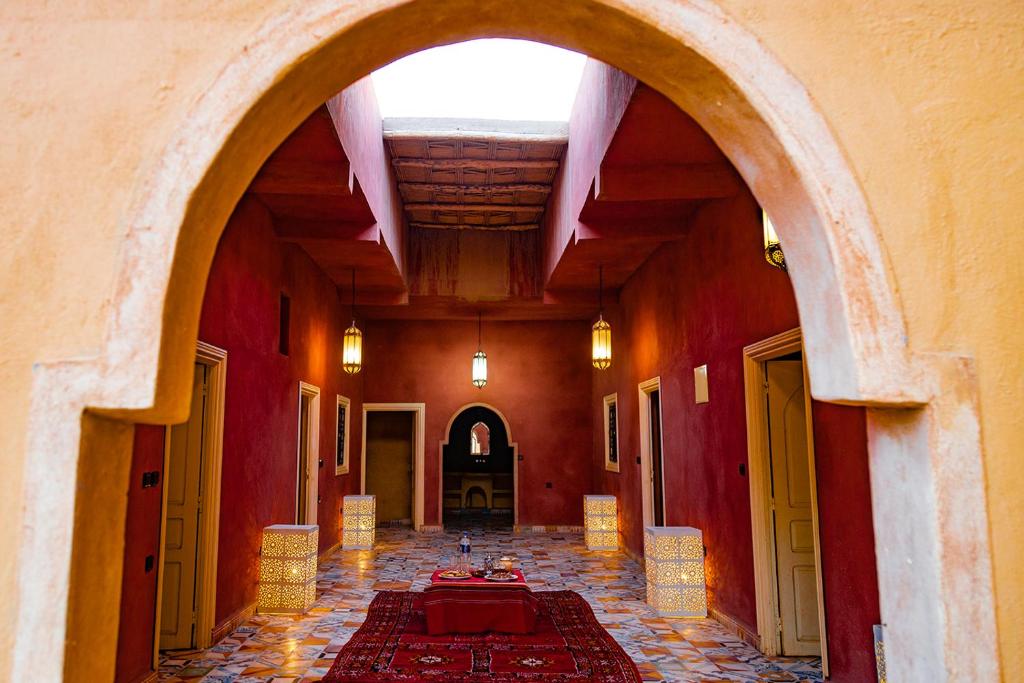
674, 558
288, 568
358, 522
600, 523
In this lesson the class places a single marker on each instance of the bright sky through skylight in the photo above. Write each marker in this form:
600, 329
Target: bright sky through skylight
482, 79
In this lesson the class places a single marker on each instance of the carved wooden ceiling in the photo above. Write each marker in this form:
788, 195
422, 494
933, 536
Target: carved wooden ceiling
472, 174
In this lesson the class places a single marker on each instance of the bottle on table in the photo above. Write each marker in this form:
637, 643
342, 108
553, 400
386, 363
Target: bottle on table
464, 553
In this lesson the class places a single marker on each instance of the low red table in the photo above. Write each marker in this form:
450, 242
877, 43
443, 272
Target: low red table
477, 605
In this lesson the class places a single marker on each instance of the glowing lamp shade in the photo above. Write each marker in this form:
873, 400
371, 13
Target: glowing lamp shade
479, 369
288, 568
600, 523
352, 350
772, 246
601, 353
358, 515
674, 559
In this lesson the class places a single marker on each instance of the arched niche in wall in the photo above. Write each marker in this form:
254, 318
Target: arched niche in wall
458, 455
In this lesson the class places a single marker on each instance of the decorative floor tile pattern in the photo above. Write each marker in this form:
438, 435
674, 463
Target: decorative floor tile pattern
300, 649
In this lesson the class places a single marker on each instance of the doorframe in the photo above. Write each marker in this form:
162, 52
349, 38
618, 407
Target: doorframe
312, 451
419, 450
514, 445
216, 361
644, 390
759, 457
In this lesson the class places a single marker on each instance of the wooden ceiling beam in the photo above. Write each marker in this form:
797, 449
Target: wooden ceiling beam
664, 182
511, 227
474, 163
470, 208
305, 178
294, 229
477, 189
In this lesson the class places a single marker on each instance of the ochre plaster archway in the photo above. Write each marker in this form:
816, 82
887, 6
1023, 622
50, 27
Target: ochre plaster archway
927, 486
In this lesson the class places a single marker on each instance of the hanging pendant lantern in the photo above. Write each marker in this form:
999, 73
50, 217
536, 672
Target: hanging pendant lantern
772, 246
479, 359
601, 349
352, 346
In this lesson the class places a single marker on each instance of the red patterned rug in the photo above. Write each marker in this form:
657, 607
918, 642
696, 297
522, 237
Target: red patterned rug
568, 645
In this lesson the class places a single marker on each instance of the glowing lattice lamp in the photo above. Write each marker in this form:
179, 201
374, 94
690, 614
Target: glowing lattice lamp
359, 520
600, 523
352, 341
288, 568
479, 358
601, 334
674, 558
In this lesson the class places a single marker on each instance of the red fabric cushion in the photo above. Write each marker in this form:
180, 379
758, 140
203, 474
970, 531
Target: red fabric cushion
478, 610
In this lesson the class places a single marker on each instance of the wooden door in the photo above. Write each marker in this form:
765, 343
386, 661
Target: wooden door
183, 477
302, 479
389, 463
794, 526
657, 470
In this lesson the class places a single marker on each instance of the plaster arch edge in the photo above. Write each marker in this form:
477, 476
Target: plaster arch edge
857, 354
861, 344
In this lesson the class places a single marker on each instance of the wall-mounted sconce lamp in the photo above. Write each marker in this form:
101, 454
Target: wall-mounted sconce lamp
772, 246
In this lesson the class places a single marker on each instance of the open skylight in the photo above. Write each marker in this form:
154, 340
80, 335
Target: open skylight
482, 79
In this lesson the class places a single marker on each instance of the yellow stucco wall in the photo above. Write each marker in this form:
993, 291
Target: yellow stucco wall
926, 99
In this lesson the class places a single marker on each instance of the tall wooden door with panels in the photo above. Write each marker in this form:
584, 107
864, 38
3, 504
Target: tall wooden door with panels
181, 536
794, 524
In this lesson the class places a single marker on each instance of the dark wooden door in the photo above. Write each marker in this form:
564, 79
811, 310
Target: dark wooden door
656, 469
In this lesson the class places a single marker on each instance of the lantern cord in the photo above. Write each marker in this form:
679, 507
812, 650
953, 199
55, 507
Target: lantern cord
353, 296
600, 290
479, 332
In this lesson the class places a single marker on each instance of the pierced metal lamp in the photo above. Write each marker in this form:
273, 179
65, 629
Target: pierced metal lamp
600, 523
601, 348
352, 346
288, 568
772, 246
674, 560
479, 358
358, 522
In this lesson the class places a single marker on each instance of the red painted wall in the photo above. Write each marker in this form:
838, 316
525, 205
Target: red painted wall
357, 119
240, 313
538, 377
601, 101
142, 538
847, 539
701, 300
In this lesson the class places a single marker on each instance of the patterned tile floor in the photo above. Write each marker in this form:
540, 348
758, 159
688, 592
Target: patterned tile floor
301, 649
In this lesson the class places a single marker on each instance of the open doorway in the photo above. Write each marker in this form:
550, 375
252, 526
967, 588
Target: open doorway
784, 506
390, 458
651, 466
478, 471
187, 567
308, 455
